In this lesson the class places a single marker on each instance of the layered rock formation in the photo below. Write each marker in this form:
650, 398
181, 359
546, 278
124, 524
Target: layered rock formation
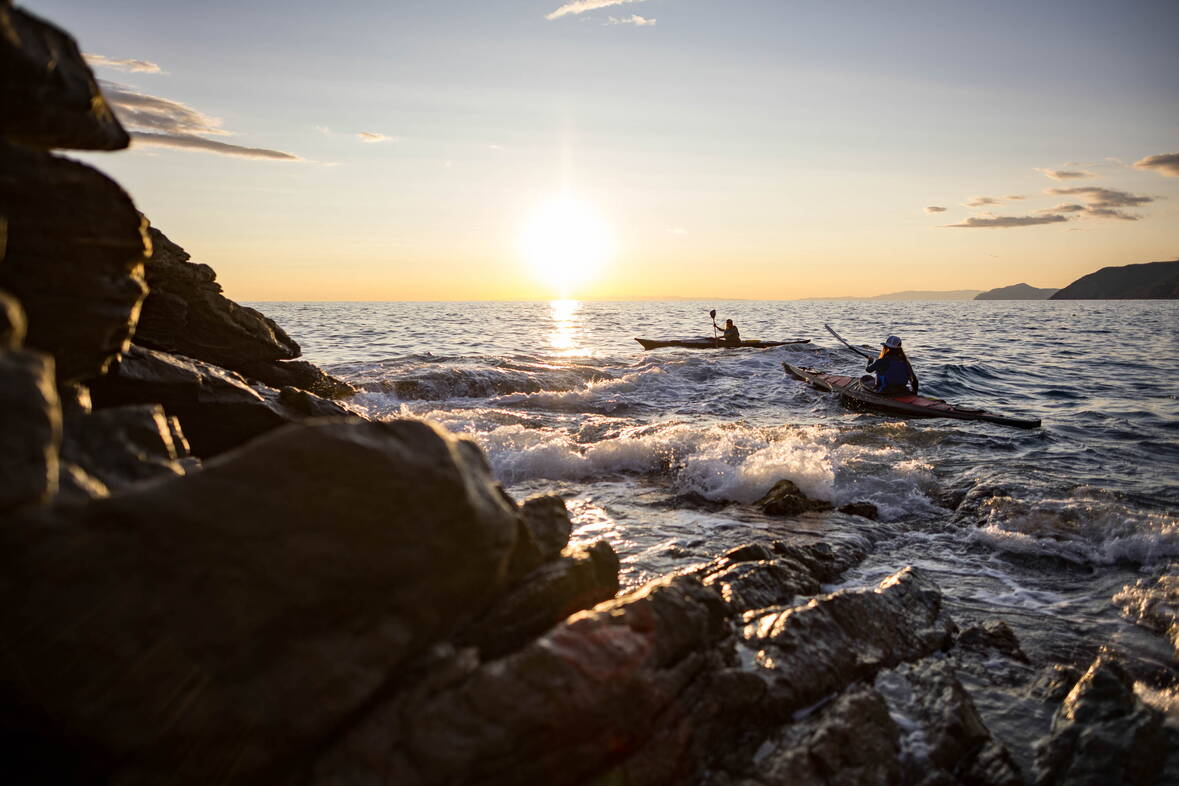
1017, 292
1148, 281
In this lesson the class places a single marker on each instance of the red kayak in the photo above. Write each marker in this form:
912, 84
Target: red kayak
905, 404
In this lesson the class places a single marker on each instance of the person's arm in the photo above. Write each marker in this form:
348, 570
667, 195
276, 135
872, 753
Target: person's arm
873, 364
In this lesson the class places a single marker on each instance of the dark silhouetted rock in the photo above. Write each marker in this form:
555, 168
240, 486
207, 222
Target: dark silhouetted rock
1103, 733
546, 596
544, 532
30, 429
12, 317
216, 408
1017, 292
993, 635
785, 499
73, 259
637, 690
185, 313
1148, 281
863, 509
48, 96
1054, 682
814, 650
226, 624
122, 445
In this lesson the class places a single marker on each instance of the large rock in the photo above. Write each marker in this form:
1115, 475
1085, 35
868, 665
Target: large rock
48, 97
1103, 734
73, 258
758, 576
811, 651
13, 325
1147, 281
225, 625
121, 446
637, 691
186, 313
216, 408
785, 499
30, 429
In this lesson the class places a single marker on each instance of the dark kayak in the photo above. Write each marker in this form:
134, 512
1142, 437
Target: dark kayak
905, 404
709, 343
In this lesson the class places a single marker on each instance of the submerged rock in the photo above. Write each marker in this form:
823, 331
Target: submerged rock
48, 96
228, 622
785, 499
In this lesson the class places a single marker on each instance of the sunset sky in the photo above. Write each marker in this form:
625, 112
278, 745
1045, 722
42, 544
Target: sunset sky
425, 149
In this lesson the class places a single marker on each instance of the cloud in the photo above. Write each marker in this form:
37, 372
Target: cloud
979, 201
633, 19
1014, 197
1163, 163
1096, 197
1006, 222
190, 142
581, 6
935, 209
1061, 209
373, 137
135, 66
152, 120
1065, 174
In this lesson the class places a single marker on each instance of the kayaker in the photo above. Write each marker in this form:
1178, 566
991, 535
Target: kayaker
894, 373
732, 336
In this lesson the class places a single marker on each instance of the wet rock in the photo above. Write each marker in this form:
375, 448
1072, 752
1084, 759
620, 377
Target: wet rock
30, 429
224, 624
757, 576
785, 499
1054, 683
122, 445
811, 651
12, 317
74, 263
635, 691
1154, 604
550, 593
216, 408
544, 532
48, 96
187, 314
993, 635
864, 509
1103, 733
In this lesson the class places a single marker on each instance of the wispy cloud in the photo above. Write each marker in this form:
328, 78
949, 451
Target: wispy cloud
1104, 202
152, 120
581, 6
979, 201
1059, 210
935, 209
1006, 222
135, 66
373, 137
633, 19
1163, 163
1014, 197
1064, 174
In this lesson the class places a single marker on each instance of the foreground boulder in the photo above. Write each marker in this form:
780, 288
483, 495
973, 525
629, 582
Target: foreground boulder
218, 626
30, 429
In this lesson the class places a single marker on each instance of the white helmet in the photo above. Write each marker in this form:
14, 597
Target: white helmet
892, 342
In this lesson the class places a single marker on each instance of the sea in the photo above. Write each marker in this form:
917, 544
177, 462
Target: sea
1061, 532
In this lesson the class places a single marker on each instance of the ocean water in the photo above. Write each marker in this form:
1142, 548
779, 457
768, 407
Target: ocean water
660, 452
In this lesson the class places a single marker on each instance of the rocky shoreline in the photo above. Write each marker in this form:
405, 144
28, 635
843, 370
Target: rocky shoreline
215, 571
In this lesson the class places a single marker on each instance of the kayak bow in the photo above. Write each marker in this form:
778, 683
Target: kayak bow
850, 389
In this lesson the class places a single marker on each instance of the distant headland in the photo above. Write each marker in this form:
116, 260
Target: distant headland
1147, 281
1017, 292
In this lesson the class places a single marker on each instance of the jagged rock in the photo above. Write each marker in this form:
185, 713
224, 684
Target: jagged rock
30, 429
993, 635
223, 625
785, 499
952, 742
550, 593
74, 263
1103, 734
850, 742
216, 408
864, 509
48, 96
811, 651
185, 313
1054, 683
12, 317
121, 445
756, 576
635, 691
544, 532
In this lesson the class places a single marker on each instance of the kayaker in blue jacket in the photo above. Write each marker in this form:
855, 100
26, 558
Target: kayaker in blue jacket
894, 373
732, 336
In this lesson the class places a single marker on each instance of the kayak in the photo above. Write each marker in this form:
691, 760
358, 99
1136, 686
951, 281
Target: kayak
850, 388
709, 343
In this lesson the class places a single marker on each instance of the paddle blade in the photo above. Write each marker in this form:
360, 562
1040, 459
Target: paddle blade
712, 313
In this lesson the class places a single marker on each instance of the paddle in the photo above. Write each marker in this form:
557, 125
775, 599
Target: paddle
838, 337
713, 315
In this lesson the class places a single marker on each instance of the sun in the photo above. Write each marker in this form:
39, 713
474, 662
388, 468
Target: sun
565, 243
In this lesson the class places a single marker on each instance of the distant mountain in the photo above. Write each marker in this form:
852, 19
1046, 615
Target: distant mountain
1017, 292
1148, 281
913, 294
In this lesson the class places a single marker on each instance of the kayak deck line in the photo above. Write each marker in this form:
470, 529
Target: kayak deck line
850, 388
710, 343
